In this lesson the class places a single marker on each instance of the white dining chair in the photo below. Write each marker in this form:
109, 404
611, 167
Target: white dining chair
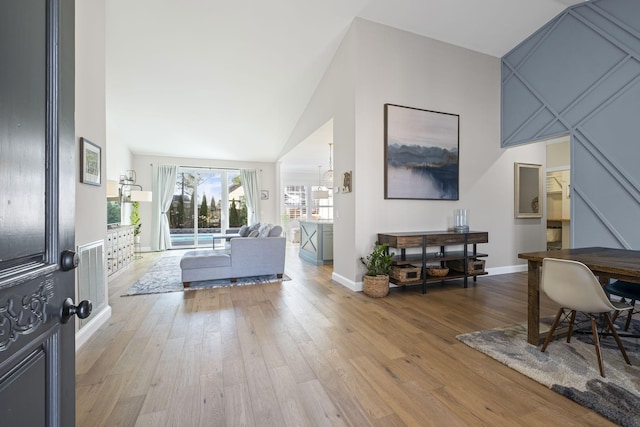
572, 285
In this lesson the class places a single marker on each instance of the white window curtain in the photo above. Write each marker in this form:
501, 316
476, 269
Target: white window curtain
164, 182
252, 194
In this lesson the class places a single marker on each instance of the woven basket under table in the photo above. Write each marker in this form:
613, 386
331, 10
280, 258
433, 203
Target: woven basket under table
437, 271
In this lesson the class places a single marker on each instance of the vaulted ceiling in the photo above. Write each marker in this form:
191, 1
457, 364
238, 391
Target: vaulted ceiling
228, 80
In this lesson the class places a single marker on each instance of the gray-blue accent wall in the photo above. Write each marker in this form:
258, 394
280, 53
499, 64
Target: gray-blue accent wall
580, 75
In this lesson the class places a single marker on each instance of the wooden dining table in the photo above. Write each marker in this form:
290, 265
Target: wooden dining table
606, 264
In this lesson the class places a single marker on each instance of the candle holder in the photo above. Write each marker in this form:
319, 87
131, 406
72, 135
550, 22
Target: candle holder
460, 222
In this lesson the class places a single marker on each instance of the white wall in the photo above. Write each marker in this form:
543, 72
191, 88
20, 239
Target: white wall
91, 212
386, 65
267, 181
90, 115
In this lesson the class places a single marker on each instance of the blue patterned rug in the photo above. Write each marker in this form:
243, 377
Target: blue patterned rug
164, 276
571, 369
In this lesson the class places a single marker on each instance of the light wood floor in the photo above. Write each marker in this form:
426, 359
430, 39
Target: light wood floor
309, 352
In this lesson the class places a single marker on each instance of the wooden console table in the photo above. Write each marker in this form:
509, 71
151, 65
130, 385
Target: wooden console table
442, 239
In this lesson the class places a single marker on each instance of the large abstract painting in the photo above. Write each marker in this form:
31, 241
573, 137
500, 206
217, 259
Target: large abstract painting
421, 154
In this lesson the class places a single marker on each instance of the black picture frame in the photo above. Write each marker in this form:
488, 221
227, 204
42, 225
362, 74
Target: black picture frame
421, 154
90, 162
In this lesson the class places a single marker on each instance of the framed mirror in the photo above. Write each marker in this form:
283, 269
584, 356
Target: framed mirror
528, 190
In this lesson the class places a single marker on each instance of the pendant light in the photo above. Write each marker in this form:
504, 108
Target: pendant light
328, 175
319, 194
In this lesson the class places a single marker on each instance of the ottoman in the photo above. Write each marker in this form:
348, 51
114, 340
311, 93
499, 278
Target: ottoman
205, 265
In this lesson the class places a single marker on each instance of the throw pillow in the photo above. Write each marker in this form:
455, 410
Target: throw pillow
264, 229
253, 233
276, 231
244, 231
253, 227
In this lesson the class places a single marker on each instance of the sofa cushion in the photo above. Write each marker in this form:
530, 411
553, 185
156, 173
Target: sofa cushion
276, 231
264, 229
243, 231
253, 227
204, 259
253, 233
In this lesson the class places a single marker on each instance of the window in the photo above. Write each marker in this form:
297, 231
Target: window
298, 203
202, 206
322, 209
295, 202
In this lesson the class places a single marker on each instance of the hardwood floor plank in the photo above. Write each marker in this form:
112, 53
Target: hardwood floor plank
309, 351
237, 406
319, 406
401, 400
159, 397
213, 399
263, 400
286, 391
154, 419
107, 398
342, 398
125, 412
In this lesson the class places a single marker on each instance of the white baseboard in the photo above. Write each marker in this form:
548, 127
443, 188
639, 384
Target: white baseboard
350, 284
507, 269
87, 331
357, 286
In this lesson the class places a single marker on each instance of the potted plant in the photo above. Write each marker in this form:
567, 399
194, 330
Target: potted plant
135, 221
378, 264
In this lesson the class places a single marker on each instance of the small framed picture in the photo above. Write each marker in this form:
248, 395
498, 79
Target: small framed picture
264, 194
90, 162
346, 182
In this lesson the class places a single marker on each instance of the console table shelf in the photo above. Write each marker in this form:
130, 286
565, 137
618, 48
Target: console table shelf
435, 239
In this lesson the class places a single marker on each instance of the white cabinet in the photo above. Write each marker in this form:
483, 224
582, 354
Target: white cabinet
120, 248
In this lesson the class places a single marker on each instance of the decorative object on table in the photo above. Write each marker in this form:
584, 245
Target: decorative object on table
346, 182
528, 190
563, 369
421, 154
460, 221
378, 264
437, 271
91, 162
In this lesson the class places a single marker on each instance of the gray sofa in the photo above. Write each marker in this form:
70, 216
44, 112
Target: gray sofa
247, 256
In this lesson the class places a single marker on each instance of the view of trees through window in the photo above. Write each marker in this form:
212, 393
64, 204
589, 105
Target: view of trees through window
203, 206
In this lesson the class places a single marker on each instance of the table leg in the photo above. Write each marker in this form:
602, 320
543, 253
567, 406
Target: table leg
533, 304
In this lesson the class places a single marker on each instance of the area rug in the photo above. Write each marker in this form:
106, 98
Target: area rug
571, 369
164, 276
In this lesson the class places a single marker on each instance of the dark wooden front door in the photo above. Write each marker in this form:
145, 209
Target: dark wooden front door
37, 206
